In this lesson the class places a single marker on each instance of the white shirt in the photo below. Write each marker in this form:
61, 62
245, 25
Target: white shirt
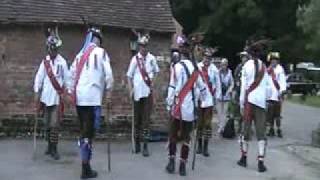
140, 88
187, 107
259, 95
95, 78
213, 74
171, 87
226, 79
281, 79
42, 83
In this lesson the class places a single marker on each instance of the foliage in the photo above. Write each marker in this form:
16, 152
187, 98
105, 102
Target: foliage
309, 100
309, 21
230, 23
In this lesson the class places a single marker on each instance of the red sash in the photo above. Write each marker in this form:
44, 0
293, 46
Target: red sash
145, 77
253, 86
143, 71
205, 77
176, 113
273, 76
79, 67
56, 86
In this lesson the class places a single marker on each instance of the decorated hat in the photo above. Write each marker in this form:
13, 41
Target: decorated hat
224, 61
196, 37
209, 51
182, 41
273, 55
243, 53
53, 40
257, 48
96, 32
144, 40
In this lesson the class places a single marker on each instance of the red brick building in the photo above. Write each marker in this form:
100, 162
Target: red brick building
22, 44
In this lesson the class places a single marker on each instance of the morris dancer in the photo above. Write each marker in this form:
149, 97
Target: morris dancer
182, 103
91, 76
253, 97
279, 85
210, 76
142, 70
244, 57
49, 87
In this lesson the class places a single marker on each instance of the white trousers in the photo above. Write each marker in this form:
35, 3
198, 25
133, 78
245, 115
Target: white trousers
222, 108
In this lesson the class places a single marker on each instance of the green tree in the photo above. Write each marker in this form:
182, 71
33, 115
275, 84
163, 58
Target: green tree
229, 24
309, 21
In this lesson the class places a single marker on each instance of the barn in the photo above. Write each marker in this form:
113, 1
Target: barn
22, 47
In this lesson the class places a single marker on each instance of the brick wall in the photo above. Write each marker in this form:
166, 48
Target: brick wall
21, 51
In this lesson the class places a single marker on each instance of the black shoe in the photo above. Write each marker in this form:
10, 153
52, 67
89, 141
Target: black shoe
171, 166
199, 150
87, 172
261, 167
145, 151
271, 133
54, 153
138, 147
279, 132
243, 161
206, 148
182, 169
49, 150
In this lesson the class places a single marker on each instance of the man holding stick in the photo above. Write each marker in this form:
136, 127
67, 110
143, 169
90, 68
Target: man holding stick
182, 104
91, 76
142, 70
49, 85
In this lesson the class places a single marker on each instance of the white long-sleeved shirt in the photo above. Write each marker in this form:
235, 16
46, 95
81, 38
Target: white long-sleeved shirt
281, 79
213, 74
259, 95
140, 88
187, 107
171, 87
95, 78
42, 84
226, 79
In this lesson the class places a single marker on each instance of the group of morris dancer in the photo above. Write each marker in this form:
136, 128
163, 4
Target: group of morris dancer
196, 88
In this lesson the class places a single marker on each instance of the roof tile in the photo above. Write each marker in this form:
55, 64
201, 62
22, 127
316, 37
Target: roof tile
153, 15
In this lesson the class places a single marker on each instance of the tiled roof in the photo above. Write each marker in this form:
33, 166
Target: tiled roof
153, 15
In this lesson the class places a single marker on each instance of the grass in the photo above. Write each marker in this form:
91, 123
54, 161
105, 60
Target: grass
313, 101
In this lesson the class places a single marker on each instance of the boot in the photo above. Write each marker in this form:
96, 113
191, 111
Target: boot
87, 172
244, 146
199, 150
271, 132
262, 145
261, 166
138, 147
205, 148
182, 168
49, 149
171, 166
243, 161
145, 151
54, 153
279, 132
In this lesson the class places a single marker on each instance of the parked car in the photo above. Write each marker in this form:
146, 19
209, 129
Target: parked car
298, 84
